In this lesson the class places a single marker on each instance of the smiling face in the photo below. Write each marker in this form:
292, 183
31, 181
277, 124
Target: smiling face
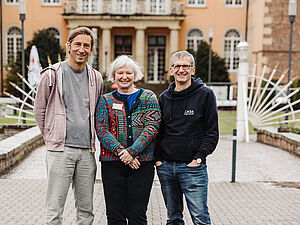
80, 49
124, 78
182, 70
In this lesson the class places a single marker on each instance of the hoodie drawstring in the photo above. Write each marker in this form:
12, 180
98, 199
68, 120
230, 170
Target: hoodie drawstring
185, 103
171, 114
186, 100
91, 74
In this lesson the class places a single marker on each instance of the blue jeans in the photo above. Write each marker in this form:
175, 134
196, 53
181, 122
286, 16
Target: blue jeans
177, 179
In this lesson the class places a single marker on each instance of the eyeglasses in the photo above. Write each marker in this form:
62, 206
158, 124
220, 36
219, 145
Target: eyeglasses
184, 67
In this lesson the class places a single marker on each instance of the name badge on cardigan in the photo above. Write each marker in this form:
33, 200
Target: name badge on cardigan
117, 106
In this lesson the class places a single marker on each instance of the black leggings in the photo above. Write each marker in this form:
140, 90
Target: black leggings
126, 192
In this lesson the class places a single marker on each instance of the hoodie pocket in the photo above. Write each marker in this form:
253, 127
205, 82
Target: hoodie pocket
55, 130
177, 148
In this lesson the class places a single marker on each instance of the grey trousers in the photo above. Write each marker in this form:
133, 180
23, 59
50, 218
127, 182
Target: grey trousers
76, 166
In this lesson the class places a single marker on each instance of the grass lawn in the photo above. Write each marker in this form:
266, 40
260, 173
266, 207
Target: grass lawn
4, 120
227, 122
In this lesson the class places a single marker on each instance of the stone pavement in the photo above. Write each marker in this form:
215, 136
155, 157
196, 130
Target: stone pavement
267, 189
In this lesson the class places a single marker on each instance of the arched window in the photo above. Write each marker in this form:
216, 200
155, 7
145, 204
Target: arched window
231, 40
196, 3
14, 43
234, 3
12, 2
51, 2
54, 31
194, 37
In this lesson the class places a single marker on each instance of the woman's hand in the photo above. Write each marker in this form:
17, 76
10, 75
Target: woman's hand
135, 163
125, 157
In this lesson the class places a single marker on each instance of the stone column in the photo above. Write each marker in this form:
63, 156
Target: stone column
140, 46
242, 111
174, 39
70, 29
105, 48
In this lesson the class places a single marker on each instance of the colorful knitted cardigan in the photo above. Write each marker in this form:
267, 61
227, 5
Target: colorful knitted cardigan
117, 127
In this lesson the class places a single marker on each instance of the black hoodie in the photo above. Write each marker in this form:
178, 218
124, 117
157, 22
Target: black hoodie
189, 128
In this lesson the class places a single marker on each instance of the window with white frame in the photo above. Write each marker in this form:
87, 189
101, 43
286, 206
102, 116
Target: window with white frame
54, 31
51, 2
123, 6
196, 3
156, 59
95, 56
13, 44
89, 6
12, 2
194, 37
234, 3
158, 6
231, 40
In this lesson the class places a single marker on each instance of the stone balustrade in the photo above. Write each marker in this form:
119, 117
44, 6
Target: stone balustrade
139, 7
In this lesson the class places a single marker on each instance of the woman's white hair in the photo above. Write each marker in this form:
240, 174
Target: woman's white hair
124, 60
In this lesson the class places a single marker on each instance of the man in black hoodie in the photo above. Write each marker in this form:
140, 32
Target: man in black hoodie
188, 133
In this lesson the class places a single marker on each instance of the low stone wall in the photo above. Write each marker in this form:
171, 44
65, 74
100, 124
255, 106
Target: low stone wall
8, 130
18, 146
286, 141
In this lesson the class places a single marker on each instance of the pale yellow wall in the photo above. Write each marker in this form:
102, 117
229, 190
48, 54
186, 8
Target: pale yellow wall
214, 15
217, 16
256, 31
38, 17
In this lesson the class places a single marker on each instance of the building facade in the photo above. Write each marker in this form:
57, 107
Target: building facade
269, 36
151, 30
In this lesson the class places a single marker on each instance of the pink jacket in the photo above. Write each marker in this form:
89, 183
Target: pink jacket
49, 107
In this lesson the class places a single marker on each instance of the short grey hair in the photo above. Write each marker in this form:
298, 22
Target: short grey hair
124, 60
181, 55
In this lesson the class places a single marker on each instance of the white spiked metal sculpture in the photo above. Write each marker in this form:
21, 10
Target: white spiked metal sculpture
24, 102
260, 106
263, 109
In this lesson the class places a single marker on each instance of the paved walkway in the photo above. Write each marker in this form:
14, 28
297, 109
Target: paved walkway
267, 189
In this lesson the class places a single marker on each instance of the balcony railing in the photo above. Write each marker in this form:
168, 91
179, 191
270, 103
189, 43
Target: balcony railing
122, 7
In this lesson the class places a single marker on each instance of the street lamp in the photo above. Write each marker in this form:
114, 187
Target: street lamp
1, 50
211, 33
292, 17
22, 13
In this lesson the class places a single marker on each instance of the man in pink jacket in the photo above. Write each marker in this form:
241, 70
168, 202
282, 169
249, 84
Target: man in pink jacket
67, 94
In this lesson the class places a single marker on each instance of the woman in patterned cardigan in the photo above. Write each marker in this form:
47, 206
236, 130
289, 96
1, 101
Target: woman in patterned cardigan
127, 121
